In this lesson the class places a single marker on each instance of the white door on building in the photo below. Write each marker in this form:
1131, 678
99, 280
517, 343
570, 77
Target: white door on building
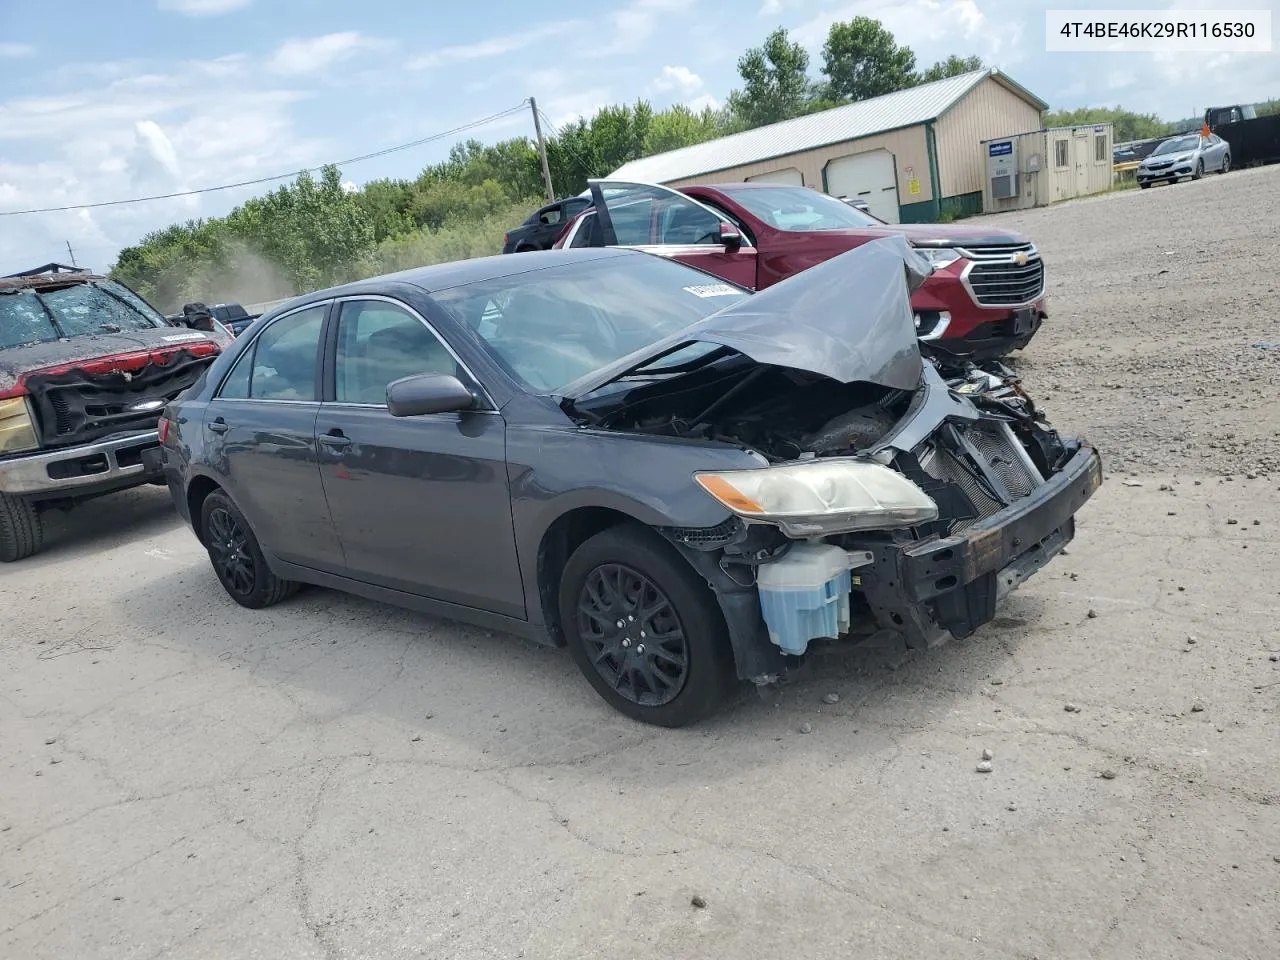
789, 175
866, 176
1083, 157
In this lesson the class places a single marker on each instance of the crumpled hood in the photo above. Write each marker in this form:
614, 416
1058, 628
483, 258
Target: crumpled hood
16, 361
848, 318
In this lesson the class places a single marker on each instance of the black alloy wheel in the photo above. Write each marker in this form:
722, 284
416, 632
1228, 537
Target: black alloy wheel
229, 550
236, 556
644, 629
632, 634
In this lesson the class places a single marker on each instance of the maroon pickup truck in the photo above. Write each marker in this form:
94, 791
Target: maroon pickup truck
984, 299
86, 367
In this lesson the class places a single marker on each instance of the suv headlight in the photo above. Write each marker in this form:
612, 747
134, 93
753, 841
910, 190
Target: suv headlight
939, 256
17, 429
818, 497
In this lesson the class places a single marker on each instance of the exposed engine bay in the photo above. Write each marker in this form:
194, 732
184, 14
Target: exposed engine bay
786, 414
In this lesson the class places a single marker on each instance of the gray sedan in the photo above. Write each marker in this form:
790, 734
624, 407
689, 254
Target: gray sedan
1191, 155
682, 482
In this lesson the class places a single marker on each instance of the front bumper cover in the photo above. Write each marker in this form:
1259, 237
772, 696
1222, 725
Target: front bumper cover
951, 584
76, 471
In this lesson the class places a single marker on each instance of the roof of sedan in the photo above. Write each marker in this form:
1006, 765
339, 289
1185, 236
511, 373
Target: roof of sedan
457, 273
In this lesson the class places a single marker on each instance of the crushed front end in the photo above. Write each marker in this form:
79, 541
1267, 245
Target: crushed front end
880, 491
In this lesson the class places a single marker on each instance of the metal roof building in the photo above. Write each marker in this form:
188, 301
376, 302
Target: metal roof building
913, 155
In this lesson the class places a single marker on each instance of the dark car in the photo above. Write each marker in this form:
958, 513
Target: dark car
681, 481
542, 227
984, 299
86, 365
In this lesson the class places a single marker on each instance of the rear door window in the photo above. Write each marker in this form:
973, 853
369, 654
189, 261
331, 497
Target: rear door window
281, 363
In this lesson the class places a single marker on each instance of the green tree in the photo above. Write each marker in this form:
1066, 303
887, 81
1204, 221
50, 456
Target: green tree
1127, 125
953, 66
679, 126
775, 83
861, 59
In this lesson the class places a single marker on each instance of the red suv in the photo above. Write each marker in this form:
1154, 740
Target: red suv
985, 298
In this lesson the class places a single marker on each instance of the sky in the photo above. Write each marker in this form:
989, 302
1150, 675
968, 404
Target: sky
105, 101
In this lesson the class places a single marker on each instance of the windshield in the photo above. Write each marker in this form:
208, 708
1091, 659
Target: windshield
550, 327
80, 310
1180, 145
800, 208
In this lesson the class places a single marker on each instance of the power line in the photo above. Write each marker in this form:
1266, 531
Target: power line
559, 136
284, 176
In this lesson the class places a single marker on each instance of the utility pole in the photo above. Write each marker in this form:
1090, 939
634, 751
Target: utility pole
71, 254
542, 151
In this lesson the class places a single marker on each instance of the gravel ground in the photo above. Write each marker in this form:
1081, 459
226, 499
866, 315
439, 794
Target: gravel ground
1157, 298
331, 778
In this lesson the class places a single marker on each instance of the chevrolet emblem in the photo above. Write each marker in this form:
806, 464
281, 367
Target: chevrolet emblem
1020, 258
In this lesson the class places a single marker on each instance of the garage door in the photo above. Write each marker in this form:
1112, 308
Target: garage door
866, 176
789, 175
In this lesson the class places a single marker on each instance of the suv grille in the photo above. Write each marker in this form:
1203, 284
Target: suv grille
77, 406
997, 279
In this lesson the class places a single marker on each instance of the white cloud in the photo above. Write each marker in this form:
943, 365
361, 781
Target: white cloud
492, 47
313, 54
193, 124
16, 51
202, 8
700, 103
154, 154
679, 79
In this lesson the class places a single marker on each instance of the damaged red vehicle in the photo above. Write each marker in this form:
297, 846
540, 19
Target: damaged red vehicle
984, 299
86, 367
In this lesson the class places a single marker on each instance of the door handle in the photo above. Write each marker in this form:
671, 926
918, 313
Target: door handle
219, 426
335, 438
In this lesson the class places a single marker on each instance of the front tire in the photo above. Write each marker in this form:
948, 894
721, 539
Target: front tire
1226, 163
21, 528
644, 630
237, 557
1199, 169
1144, 186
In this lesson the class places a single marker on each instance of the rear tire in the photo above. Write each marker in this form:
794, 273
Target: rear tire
236, 556
1144, 186
670, 663
21, 528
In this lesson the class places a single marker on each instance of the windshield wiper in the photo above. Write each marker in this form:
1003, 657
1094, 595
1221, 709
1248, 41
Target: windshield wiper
678, 368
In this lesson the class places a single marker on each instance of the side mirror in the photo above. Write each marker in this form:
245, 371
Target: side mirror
730, 236
428, 393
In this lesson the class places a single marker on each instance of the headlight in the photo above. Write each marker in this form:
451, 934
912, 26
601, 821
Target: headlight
17, 429
938, 257
819, 497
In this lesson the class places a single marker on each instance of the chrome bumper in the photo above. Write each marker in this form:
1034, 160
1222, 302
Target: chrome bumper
31, 474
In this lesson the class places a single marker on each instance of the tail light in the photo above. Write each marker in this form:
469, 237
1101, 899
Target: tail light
506, 238
164, 429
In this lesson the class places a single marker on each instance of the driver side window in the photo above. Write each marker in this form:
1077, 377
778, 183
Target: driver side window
379, 342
